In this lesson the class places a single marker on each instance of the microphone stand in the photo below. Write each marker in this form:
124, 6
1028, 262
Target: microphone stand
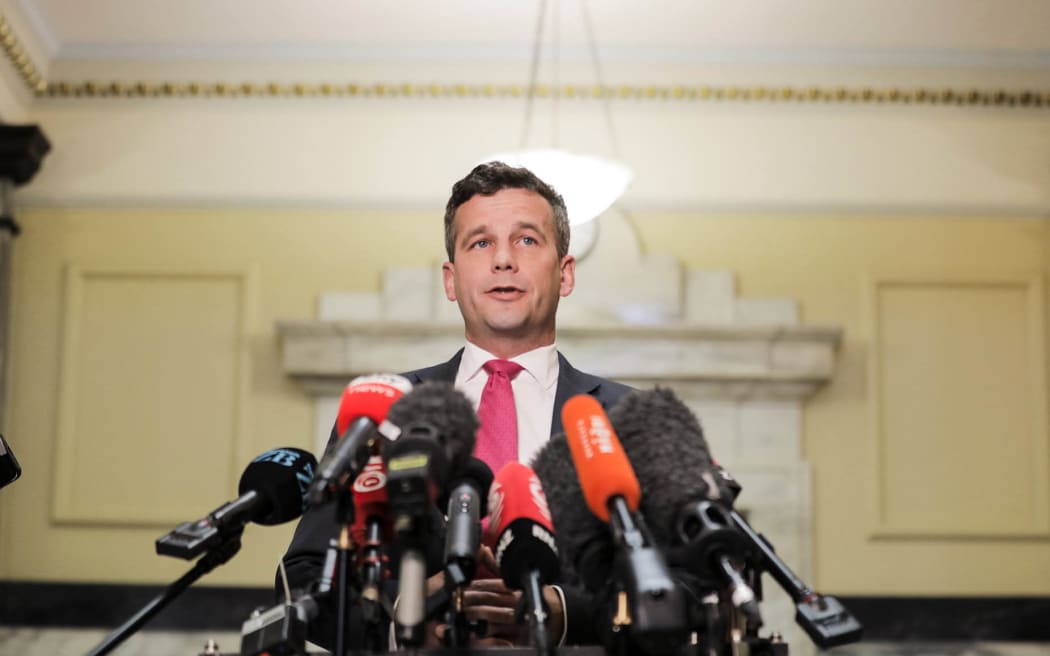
211, 559
373, 601
409, 481
457, 627
822, 617
535, 606
343, 593
655, 605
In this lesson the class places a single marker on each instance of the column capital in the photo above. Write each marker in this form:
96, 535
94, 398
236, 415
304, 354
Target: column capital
22, 148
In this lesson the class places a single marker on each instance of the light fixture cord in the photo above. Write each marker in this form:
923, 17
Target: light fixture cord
530, 93
605, 96
555, 54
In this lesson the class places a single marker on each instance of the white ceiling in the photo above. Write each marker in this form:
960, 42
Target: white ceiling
929, 33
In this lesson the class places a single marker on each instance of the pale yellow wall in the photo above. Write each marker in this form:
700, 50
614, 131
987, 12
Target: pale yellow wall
827, 264
289, 257
821, 202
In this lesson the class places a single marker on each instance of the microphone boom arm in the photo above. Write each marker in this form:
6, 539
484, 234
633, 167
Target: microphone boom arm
822, 617
216, 556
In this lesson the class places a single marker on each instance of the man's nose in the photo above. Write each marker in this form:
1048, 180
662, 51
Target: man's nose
503, 258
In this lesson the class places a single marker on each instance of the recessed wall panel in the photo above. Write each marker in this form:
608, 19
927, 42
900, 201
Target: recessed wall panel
150, 395
959, 392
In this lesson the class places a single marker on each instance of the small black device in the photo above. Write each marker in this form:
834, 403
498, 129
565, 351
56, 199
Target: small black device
10, 470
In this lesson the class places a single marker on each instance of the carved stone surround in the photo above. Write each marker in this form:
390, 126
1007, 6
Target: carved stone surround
743, 365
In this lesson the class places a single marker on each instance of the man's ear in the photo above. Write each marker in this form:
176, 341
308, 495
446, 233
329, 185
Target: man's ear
568, 275
448, 279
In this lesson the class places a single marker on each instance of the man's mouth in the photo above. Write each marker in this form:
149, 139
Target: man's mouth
504, 291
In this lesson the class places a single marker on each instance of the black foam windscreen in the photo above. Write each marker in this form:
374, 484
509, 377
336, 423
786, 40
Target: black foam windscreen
670, 456
477, 473
524, 546
282, 477
444, 408
584, 541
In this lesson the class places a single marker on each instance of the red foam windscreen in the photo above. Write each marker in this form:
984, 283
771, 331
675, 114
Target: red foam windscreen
370, 396
516, 493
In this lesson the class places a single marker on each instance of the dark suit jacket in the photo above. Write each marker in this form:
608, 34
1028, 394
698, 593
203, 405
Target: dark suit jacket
571, 381
305, 555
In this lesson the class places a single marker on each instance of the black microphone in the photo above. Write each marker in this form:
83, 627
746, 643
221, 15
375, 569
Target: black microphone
690, 497
467, 504
272, 491
10, 470
666, 445
430, 434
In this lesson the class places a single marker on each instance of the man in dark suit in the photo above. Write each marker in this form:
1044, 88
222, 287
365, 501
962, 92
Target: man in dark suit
507, 239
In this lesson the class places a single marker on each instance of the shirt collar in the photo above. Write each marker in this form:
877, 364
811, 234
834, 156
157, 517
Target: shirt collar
540, 363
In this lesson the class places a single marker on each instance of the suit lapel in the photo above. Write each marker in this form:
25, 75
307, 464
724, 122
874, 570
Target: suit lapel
445, 372
571, 382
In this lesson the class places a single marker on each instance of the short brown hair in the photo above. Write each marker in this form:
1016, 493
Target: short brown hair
490, 177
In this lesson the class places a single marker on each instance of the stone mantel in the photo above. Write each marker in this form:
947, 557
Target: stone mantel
715, 362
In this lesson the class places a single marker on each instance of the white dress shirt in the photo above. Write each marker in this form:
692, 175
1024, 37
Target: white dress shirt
534, 389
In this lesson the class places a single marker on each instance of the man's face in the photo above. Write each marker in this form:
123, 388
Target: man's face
507, 276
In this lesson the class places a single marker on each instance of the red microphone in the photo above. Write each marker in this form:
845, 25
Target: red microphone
364, 406
370, 397
371, 527
520, 521
370, 500
602, 466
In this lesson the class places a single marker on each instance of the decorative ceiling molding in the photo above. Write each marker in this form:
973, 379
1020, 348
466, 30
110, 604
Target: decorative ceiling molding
91, 89
19, 58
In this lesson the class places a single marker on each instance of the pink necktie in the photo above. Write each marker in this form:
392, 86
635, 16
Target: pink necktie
498, 436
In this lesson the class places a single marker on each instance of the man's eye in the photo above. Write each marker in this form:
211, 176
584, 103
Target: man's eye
529, 241
481, 243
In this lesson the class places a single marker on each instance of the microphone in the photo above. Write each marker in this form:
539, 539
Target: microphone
272, 491
370, 530
683, 490
430, 435
467, 504
10, 470
363, 407
664, 442
689, 497
606, 477
520, 520
657, 617
585, 541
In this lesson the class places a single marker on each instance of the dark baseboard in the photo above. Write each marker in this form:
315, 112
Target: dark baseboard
110, 605
950, 619
885, 619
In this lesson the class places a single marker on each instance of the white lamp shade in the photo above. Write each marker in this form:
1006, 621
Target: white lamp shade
589, 184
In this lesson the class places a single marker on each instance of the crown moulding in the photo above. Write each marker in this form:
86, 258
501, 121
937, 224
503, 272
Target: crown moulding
41, 88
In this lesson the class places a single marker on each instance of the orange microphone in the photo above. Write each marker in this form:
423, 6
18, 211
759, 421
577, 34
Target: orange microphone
657, 621
602, 466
